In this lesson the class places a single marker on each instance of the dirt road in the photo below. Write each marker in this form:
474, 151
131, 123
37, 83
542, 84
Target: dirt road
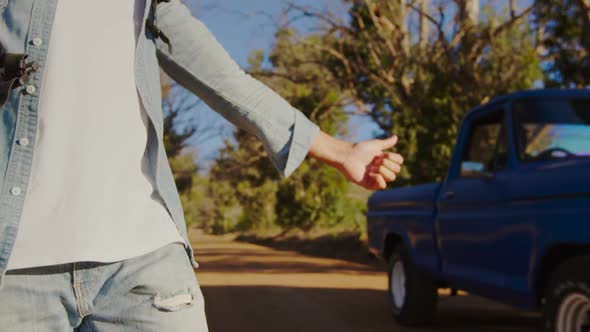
253, 288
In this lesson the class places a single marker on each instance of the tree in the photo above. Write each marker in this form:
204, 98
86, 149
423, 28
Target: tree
183, 121
421, 91
564, 33
173, 106
314, 195
242, 177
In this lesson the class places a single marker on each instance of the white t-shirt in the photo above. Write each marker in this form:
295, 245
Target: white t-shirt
91, 194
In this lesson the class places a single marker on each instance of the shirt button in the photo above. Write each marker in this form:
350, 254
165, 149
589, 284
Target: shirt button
15, 191
37, 41
23, 141
31, 89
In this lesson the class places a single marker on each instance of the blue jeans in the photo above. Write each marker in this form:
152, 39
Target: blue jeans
157, 291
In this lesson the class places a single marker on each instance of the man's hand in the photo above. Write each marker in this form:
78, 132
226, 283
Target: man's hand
365, 163
369, 166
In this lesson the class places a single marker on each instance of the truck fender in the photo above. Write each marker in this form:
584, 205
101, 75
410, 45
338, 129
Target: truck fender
394, 235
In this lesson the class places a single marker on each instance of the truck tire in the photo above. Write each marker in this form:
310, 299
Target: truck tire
412, 293
567, 297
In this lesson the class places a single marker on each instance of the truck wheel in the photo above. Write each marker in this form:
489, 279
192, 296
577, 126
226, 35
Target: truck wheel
413, 294
567, 298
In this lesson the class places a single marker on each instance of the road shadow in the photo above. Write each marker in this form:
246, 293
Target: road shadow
346, 246
292, 309
237, 261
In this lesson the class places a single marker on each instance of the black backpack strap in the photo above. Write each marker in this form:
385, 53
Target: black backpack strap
15, 71
152, 26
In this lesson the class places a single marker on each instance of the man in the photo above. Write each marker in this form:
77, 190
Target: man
92, 233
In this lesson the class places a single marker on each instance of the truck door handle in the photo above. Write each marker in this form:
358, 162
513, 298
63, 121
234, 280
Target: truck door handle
448, 195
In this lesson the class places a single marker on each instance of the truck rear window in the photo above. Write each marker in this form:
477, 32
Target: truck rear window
552, 128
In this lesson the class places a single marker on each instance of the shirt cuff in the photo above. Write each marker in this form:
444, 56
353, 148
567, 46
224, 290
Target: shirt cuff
303, 133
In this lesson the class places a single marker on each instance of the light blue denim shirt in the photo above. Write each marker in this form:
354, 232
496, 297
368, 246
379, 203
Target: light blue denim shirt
197, 62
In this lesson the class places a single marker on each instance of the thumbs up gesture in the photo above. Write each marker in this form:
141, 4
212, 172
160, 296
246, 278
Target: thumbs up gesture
367, 163
370, 166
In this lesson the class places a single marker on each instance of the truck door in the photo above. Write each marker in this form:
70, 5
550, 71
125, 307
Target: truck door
472, 203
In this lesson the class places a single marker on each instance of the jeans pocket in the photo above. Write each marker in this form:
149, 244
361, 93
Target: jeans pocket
167, 277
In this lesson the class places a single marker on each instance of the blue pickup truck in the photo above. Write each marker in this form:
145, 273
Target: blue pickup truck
511, 220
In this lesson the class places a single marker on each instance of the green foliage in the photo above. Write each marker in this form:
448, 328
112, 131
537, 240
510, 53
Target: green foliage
183, 168
196, 203
565, 27
420, 90
190, 185
174, 140
220, 213
314, 195
245, 172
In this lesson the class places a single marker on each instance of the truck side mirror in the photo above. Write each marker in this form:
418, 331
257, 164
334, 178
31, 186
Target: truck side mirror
475, 169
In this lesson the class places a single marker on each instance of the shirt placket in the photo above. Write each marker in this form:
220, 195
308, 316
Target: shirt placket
21, 154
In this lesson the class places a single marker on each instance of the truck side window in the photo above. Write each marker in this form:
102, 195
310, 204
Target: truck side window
487, 142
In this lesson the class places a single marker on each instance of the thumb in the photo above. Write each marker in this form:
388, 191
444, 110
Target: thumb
387, 143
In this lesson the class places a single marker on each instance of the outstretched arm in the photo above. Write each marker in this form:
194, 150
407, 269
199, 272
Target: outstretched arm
201, 65
366, 163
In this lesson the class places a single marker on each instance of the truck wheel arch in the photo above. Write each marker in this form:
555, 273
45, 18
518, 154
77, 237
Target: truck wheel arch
550, 261
391, 241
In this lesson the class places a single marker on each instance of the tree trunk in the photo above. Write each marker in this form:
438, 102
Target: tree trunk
391, 16
468, 12
585, 9
424, 24
403, 23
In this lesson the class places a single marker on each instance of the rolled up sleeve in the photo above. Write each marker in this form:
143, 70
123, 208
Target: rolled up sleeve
201, 65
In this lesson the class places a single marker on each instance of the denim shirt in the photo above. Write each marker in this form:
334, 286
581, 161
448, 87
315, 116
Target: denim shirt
196, 61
